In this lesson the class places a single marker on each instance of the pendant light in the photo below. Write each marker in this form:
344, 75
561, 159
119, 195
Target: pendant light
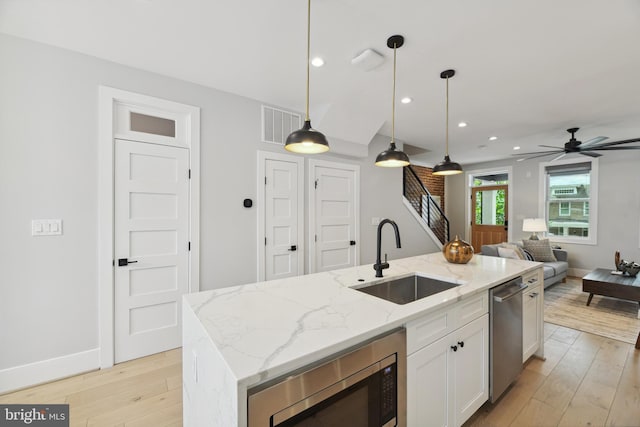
391, 157
447, 167
307, 140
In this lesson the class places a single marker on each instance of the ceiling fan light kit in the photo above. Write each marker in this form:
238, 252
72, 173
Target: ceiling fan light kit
586, 148
447, 167
392, 157
307, 140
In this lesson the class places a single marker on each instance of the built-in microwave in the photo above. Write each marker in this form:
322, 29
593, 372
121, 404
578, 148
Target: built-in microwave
362, 387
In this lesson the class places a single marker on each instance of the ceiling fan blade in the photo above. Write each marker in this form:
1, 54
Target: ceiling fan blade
557, 150
635, 147
559, 157
624, 141
590, 154
593, 141
550, 146
542, 154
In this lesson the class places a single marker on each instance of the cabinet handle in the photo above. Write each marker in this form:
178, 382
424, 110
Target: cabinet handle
533, 295
461, 344
454, 347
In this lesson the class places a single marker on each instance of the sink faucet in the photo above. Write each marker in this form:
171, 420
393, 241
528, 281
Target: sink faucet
379, 265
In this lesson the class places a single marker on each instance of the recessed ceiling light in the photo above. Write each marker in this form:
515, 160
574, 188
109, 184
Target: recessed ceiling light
519, 160
317, 62
517, 147
406, 100
462, 125
493, 138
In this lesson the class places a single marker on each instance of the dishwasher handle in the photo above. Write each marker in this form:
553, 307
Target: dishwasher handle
503, 298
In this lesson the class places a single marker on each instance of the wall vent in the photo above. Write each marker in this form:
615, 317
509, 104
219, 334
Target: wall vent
278, 124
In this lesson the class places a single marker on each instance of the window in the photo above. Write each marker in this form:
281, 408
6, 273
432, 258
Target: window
564, 209
569, 188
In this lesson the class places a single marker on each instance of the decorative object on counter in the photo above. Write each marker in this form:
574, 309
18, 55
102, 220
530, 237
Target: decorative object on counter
534, 225
629, 268
616, 260
392, 157
307, 140
458, 251
540, 249
447, 167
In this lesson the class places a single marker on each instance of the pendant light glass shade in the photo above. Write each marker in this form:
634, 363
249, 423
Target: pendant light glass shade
307, 140
447, 167
392, 157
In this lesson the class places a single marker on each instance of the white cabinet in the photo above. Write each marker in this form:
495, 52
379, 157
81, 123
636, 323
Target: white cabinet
533, 315
448, 378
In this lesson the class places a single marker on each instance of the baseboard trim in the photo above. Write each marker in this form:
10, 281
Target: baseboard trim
18, 377
577, 272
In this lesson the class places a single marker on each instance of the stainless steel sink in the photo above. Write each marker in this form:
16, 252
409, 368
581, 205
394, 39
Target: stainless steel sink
406, 289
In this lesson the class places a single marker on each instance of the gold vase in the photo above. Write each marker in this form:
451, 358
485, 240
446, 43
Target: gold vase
458, 251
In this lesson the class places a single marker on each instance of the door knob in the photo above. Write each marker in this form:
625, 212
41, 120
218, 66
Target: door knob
122, 262
293, 248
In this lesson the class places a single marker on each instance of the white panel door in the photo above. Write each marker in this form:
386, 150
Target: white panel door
334, 217
282, 245
151, 247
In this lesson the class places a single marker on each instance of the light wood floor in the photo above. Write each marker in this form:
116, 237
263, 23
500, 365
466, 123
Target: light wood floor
586, 380
145, 392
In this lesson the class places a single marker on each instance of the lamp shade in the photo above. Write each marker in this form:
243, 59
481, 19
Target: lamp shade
392, 158
306, 140
534, 225
447, 167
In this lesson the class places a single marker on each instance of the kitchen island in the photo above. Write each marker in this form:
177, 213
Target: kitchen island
238, 337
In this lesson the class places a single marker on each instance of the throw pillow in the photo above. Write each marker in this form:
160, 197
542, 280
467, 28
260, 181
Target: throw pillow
507, 253
517, 249
540, 249
527, 255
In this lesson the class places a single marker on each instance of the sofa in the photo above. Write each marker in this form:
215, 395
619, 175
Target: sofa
554, 272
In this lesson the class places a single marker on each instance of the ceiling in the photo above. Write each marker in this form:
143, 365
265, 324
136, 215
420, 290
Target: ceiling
525, 70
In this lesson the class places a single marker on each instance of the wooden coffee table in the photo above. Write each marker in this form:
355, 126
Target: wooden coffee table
601, 282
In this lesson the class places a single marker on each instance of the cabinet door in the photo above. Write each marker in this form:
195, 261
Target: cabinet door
531, 324
471, 373
429, 387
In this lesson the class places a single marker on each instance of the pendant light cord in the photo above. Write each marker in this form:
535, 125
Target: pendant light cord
308, 56
393, 100
447, 132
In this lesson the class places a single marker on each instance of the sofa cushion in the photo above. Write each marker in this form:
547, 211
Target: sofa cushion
559, 267
540, 249
548, 271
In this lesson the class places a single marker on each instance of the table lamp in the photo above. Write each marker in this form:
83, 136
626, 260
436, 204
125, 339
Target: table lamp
534, 225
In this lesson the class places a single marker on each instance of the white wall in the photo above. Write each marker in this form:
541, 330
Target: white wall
618, 207
48, 169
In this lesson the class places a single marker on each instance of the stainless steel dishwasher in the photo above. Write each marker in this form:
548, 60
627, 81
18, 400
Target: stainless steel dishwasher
505, 337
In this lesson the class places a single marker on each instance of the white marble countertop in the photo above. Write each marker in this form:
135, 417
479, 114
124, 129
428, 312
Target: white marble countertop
264, 330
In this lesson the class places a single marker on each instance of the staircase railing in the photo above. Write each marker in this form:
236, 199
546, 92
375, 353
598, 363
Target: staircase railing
429, 210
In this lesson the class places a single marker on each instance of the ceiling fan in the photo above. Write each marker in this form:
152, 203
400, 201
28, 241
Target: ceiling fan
586, 148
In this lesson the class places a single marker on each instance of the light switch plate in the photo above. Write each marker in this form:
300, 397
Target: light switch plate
46, 227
